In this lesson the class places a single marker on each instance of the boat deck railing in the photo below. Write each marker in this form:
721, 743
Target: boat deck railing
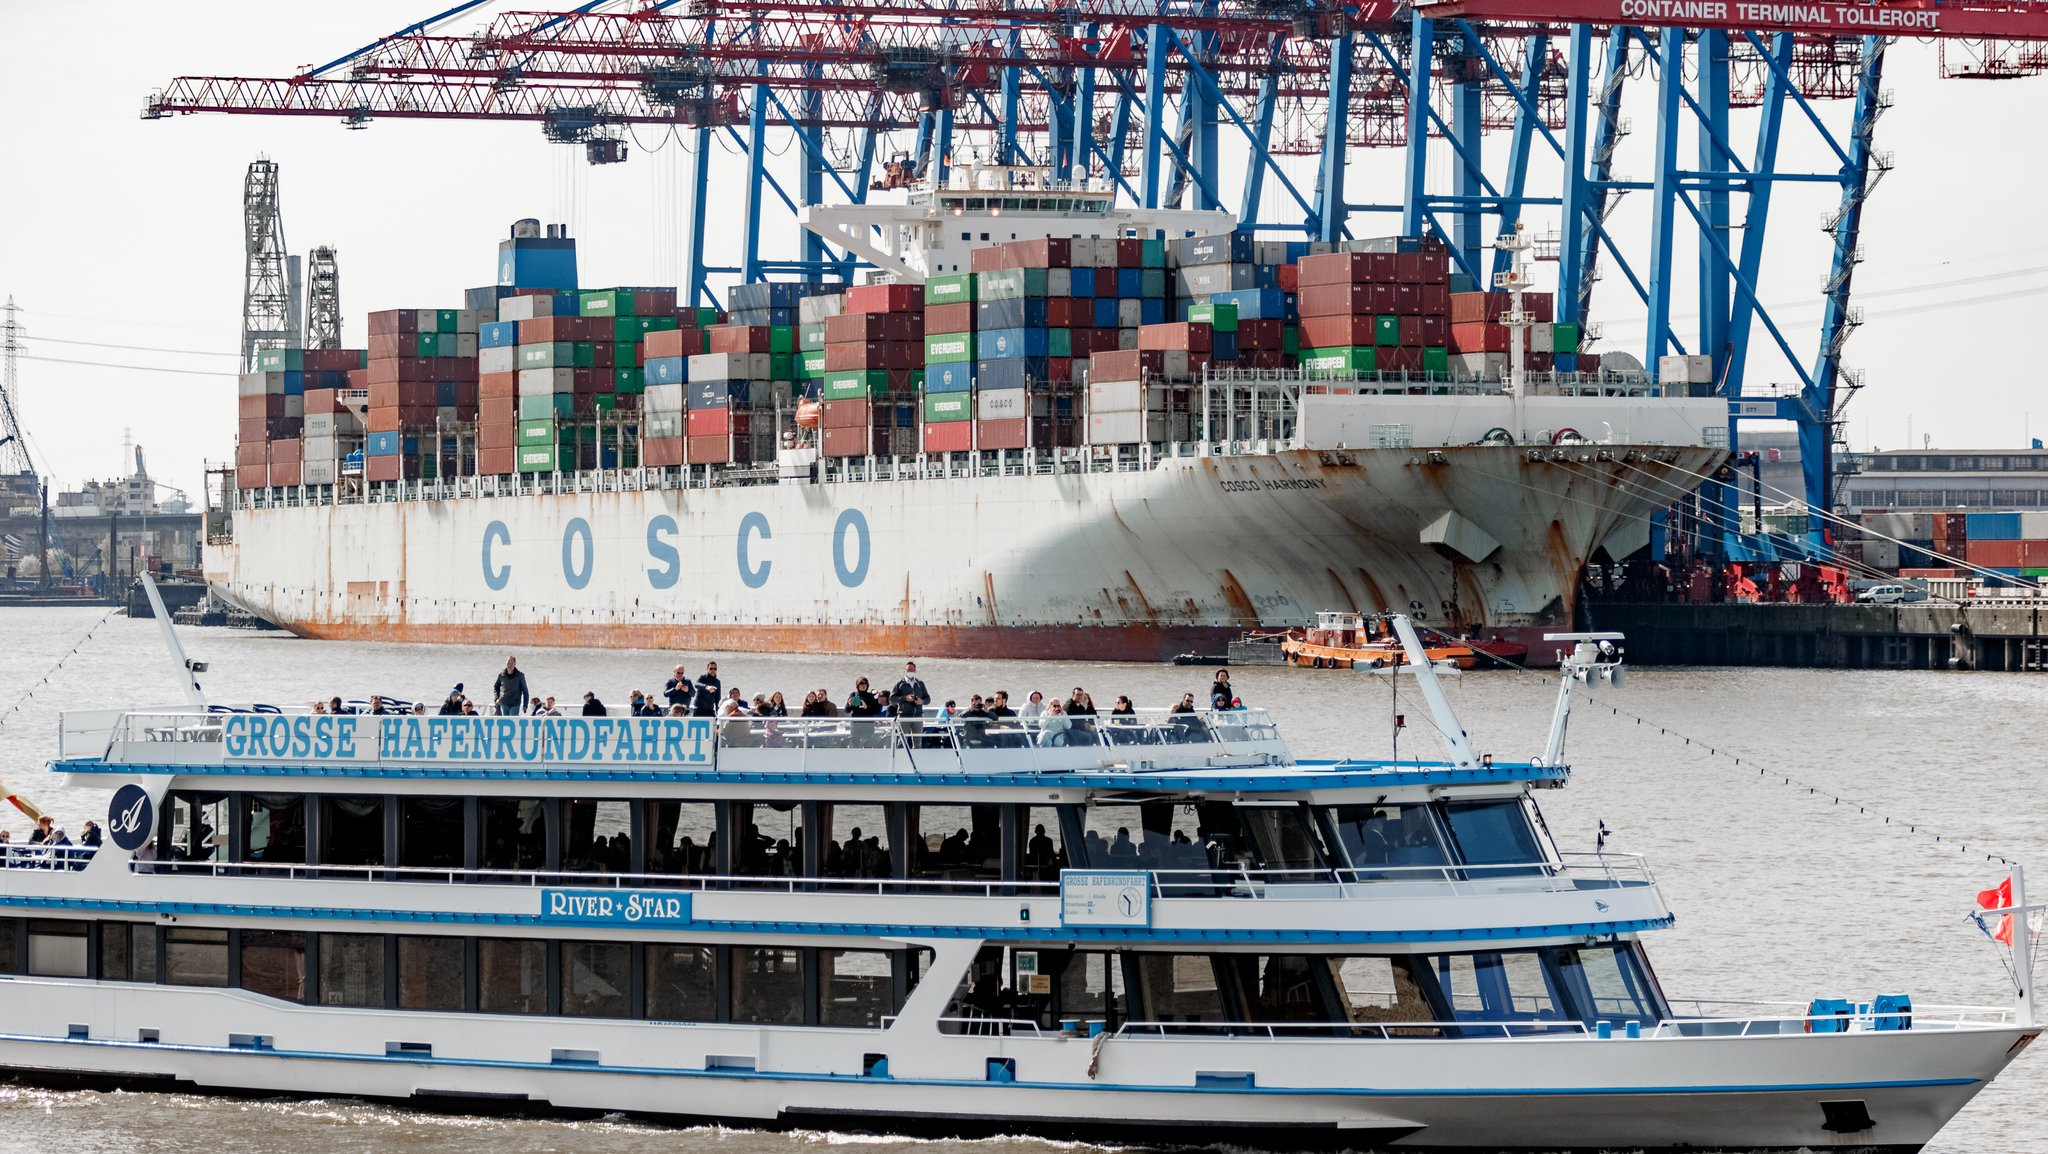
1147, 740
1575, 872
1757, 1019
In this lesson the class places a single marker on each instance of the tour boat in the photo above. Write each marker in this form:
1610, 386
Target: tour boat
1358, 640
1146, 929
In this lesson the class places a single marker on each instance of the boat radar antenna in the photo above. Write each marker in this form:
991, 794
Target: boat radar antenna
1457, 743
189, 669
1514, 281
1595, 659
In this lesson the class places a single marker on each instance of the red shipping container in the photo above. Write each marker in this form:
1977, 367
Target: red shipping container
251, 476
250, 454
2034, 554
1014, 433
883, 298
1335, 268
394, 394
1127, 365
1059, 369
1541, 306
497, 462
285, 474
1435, 300
687, 342
1540, 362
388, 469
331, 360
497, 432
846, 414
1189, 336
1105, 280
654, 302
385, 346
856, 328
497, 386
1400, 360
719, 422
1289, 278
253, 429
1468, 307
1320, 332
467, 393
390, 420
1045, 252
1261, 333
1264, 359
738, 338
1411, 332
855, 441
1060, 312
1340, 300
321, 401
1130, 253
399, 369
391, 322
1407, 300
259, 408
1989, 554
1436, 332
947, 436
1478, 337
661, 452
719, 450
590, 382
953, 318
285, 450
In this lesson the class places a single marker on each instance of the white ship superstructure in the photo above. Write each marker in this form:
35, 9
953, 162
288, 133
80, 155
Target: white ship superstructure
1147, 928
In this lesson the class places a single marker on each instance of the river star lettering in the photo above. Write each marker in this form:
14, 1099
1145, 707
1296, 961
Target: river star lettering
1719, 12
615, 908
435, 739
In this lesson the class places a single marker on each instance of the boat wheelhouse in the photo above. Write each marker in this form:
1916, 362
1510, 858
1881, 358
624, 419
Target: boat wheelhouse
1157, 927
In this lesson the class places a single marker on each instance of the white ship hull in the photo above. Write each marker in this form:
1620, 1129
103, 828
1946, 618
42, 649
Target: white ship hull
1135, 565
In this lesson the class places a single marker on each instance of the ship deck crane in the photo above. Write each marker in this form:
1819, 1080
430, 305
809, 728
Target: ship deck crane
1186, 101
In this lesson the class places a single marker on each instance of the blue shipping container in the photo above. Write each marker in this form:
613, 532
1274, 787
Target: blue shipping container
1564, 362
294, 383
1256, 304
1006, 344
1084, 283
1223, 346
1130, 282
1992, 526
666, 370
1009, 373
381, 445
444, 393
497, 334
1152, 311
1026, 312
1105, 313
948, 378
716, 394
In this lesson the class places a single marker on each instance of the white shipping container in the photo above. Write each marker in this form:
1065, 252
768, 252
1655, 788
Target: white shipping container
258, 384
319, 425
730, 366
1127, 337
1691, 370
1124, 397
2034, 526
503, 359
521, 308
1118, 428
1881, 554
467, 320
318, 471
320, 448
1059, 282
1130, 313
762, 394
1177, 362
1269, 252
664, 398
465, 344
1000, 404
814, 310
427, 320
1479, 366
546, 382
1542, 336
295, 405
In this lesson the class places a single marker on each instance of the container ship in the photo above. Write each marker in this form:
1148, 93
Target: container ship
1048, 426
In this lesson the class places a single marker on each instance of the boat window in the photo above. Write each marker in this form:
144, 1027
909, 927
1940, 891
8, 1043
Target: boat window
983, 998
597, 836
127, 952
512, 833
856, 841
956, 842
768, 841
430, 831
352, 831
1499, 987
1606, 983
1277, 987
1090, 984
597, 979
1179, 988
511, 976
192, 957
1045, 845
1493, 833
431, 973
679, 836
352, 970
768, 985
1389, 842
853, 987
10, 938
681, 983
1160, 835
195, 826
1378, 990
274, 963
57, 949
1284, 840
274, 828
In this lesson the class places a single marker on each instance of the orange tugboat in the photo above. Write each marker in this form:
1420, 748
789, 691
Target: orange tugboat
1345, 640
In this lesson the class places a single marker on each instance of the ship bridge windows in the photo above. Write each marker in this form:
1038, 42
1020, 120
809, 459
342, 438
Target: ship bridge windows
1389, 842
1424, 842
1608, 983
1158, 835
1493, 835
430, 832
1507, 987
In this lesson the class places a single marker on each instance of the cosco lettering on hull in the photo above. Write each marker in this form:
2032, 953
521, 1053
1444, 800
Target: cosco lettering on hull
661, 562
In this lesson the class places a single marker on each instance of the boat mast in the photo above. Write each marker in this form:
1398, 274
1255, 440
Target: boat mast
1456, 741
1594, 658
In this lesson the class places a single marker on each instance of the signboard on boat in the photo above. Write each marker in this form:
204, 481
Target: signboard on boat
1105, 898
635, 909
372, 738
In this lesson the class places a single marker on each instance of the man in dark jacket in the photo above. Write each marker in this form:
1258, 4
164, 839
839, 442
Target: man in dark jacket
509, 693
706, 702
592, 707
909, 694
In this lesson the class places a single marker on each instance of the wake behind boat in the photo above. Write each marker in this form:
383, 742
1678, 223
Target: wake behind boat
1148, 928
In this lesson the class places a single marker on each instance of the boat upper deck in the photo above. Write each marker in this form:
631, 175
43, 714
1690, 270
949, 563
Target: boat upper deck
1152, 749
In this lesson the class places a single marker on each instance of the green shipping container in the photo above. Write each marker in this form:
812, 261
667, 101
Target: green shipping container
853, 384
1152, 281
1010, 284
1344, 361
941, 407
949, 290
1436, 361
782, 338
629, 381
1290, 340
559, 355
625, 356
810, 366
280, 360
445, 321
948, 348
533, 432
1564, 338
1386, 331
1059, 342
663, 425
606, 303
810, 337
1152, 254
537, 458
637, 328
606, 402
703, 316
1222, 318
547, 406
782, 367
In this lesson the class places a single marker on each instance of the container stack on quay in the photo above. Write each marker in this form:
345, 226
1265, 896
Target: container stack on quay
291, 429
872, 340
2000, 547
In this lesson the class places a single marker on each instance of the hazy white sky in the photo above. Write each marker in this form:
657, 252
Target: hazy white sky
117, 231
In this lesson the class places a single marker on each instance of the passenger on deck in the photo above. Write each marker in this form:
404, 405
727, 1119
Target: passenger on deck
776, 706
320, 708
999, 705
1038, 854
450, 706
705, 701
1122, 708
334, 705
636, 702
468, 708
910, 693
1055, 728
592, 707
679, 711
1123, 851
509, 691
1220, 692
678, 690
1034, 706
377, 704
419, 709
815, 705
548, 709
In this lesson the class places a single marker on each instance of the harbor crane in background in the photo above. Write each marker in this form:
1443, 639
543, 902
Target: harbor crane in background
1260, 107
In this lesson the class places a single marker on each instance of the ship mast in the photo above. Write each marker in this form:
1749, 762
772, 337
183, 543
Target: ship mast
1514, 281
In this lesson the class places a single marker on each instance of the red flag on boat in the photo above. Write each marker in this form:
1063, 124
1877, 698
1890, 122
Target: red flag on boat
1999, 897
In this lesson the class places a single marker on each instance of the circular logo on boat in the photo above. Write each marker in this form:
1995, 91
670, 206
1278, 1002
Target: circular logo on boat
130, 818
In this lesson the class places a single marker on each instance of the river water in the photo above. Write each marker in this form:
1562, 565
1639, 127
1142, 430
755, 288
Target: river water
1780, 893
